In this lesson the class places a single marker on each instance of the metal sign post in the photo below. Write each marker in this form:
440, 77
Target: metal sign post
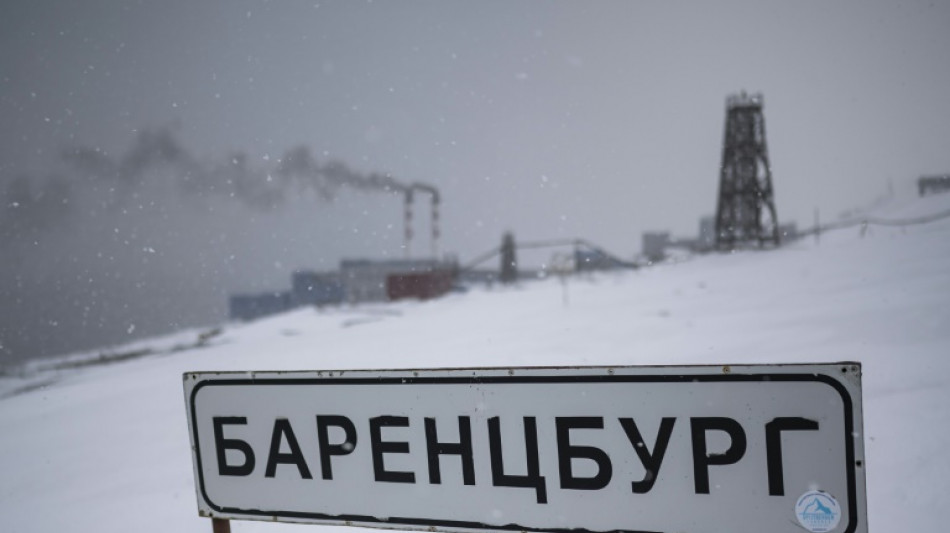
638, 449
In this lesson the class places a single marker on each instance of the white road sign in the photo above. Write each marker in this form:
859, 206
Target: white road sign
775, 448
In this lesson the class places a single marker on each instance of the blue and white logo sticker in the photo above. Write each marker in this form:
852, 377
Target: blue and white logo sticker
817, 511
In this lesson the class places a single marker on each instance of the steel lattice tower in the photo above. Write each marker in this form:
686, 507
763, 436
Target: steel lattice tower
746, 210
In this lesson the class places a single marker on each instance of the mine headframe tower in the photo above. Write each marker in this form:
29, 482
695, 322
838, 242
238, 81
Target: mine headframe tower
745, 178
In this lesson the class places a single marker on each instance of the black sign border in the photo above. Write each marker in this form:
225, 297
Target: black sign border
395, 522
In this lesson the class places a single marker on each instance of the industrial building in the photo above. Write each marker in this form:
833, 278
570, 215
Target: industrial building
357, 281
933, 184
316, 288
254, 306
365, 280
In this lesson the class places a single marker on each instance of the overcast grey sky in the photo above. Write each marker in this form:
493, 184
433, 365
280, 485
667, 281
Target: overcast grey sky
598, 120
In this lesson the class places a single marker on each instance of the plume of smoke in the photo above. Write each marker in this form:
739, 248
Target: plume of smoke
239, 180
31, 205
299, 165
151, 149
154, 150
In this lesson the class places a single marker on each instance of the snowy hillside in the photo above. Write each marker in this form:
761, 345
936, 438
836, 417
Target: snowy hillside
103, 447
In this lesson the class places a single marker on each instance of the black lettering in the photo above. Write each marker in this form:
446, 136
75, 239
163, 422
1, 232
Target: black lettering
773, 448
222, 444
283, 431
566, 452
380, 447
702, 459
533, 479
324, 422
463, 449
651, 461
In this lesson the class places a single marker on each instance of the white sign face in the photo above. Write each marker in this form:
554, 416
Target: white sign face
775, 448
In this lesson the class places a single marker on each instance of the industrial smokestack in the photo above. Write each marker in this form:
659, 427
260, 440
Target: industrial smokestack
434, 194
407, 223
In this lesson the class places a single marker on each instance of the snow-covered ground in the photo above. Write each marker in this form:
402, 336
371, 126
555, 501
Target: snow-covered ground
100, 444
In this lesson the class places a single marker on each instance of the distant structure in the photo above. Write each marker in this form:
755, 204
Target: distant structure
307, 288
933, 184
585, 257
366, 280
509, 263
254, 306
316, 288
655, 244
745, 178
421, 285
356, 281
596, 260
409, 192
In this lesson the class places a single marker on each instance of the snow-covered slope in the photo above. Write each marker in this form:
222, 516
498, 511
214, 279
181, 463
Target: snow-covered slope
88, 445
